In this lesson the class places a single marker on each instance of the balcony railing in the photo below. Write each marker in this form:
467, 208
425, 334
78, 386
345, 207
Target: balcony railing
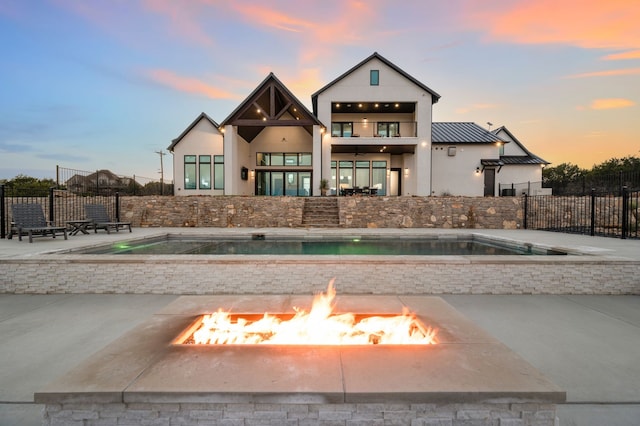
374, 129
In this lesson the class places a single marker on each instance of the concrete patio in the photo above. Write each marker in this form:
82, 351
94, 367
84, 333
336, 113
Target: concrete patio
587, 345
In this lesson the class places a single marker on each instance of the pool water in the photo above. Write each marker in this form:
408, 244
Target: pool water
324, 246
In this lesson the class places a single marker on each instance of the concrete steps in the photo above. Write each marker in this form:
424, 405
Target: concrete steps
321, 212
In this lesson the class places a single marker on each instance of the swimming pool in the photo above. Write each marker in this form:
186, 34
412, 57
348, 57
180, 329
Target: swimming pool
259, 244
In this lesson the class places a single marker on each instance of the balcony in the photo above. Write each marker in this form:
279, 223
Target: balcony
374, 129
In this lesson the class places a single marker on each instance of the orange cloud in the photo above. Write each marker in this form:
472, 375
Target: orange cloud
475, 107
584, 23
189, 84
607, 73
632, 54
182, 19
349, 22
611, 103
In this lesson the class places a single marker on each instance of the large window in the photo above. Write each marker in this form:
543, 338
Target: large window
218, 172
190, 176
362, 174
341, 129
291, 183
346, 174
286, 159
205, 171
388, 129
379, 176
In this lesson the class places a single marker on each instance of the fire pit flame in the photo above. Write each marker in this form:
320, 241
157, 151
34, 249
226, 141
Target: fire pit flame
317, 327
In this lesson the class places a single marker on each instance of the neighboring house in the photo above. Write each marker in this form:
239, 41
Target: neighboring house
371, 130
99, 181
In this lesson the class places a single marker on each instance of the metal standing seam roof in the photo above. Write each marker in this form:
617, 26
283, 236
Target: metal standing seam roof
462, 132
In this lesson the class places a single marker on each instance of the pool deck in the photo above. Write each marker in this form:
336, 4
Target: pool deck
587, 345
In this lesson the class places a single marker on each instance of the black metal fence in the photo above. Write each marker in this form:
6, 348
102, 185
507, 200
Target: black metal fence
599, 213
522, 188
602, 183
105, 182
59, 206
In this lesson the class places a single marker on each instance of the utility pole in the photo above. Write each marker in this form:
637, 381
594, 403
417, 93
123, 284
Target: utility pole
161, 154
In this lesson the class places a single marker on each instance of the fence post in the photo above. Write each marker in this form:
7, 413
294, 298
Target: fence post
592, 230
625, 212
51, 213
2, 213
526, 209
117, 206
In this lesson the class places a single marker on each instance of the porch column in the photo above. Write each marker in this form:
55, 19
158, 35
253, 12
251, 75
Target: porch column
317, 160
422, 177
230, 155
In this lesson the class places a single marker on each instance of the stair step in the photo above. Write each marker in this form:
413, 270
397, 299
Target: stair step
321, 212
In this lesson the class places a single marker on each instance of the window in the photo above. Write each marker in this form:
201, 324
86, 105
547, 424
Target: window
388, 128
501, 149
304, 159
291, 183
342, 129
374, 77
362, 174
346, 174
379, 176
218, 172
190, 177
287, 159
205, 171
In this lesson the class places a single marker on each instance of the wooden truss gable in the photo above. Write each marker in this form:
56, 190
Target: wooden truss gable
271, 104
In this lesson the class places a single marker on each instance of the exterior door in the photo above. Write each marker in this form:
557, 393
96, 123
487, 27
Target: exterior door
394, 182
489, 182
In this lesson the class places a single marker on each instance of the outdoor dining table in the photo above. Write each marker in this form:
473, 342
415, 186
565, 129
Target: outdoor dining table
78, 226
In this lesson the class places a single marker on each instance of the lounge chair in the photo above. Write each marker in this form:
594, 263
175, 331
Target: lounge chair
97, 214
29, 218
100, 219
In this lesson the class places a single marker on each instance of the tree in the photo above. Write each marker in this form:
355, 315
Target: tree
565, 172
28, 185
616, 165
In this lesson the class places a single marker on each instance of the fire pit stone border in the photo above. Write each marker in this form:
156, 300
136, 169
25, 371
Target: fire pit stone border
142, 378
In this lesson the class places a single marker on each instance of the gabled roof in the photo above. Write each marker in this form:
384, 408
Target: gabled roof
464, 132
530, 158
375, 55
269, 105
191, 126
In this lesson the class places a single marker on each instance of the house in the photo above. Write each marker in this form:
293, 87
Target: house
99, 181
370, 131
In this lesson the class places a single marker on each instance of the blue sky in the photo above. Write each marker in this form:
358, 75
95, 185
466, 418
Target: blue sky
105, 84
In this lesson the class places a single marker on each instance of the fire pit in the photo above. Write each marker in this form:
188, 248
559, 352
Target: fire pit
319, 326
149, 376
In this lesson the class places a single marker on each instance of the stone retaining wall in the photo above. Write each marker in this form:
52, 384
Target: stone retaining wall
187, 414
355, 212
221, 212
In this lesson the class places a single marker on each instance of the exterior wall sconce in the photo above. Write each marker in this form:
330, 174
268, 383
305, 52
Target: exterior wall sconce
252, 173
284, 140
477, 170
406, 171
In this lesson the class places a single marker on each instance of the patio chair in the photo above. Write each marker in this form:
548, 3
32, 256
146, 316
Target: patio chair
29, 219
97, 214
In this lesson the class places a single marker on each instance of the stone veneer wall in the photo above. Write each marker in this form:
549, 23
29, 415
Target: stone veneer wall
362, 414
219, 211
431, 212
201, 274
355, 212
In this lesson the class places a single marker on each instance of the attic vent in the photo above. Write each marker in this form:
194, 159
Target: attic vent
451, 152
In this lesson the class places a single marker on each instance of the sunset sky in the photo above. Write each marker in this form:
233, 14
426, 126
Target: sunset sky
88, 84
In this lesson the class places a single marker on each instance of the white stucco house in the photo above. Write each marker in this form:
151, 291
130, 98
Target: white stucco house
370, 131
